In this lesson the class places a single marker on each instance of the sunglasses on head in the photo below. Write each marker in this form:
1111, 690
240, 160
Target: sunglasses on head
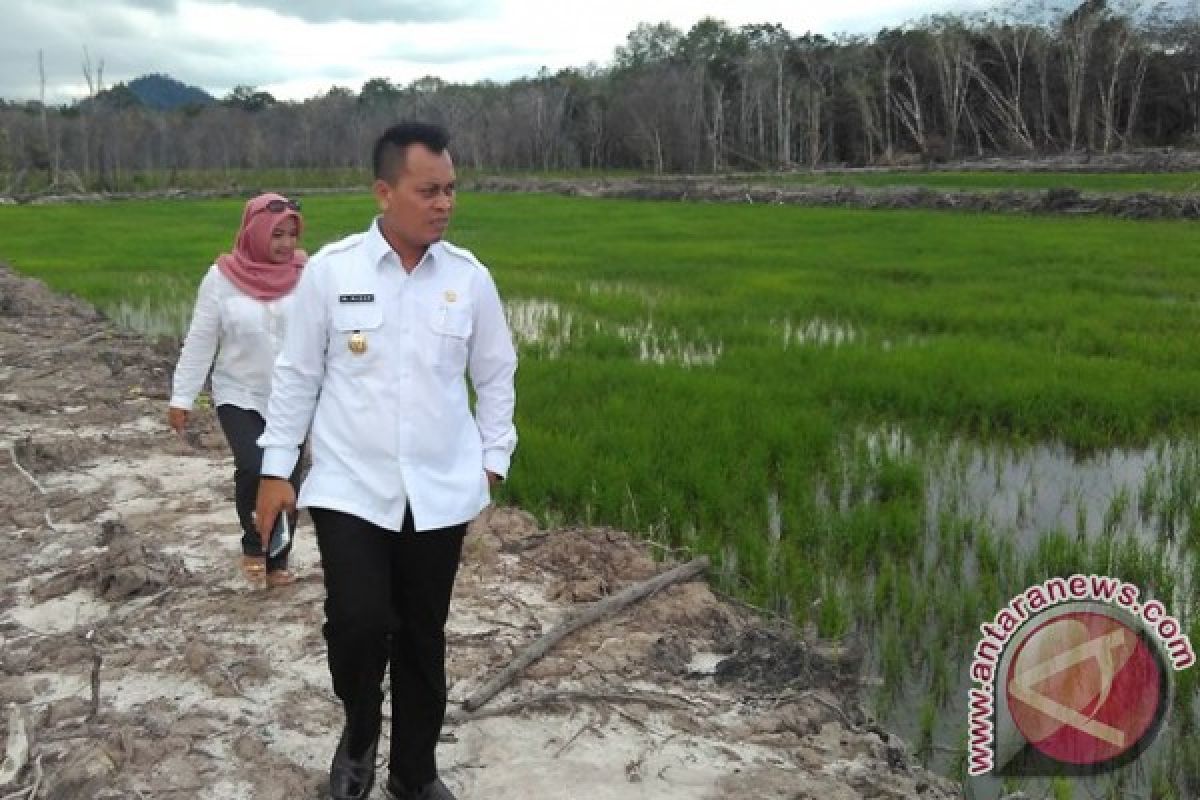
276, 206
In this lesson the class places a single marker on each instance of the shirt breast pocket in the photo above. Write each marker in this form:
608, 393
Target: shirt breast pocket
355, 337
451, 325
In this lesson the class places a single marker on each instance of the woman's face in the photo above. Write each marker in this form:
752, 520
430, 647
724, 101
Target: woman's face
283, 241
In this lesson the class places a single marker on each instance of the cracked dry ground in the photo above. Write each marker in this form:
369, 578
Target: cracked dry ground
134, 662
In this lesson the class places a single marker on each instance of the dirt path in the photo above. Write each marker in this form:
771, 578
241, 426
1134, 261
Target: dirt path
141, 666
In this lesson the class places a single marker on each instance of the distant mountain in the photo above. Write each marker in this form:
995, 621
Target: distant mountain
164, 93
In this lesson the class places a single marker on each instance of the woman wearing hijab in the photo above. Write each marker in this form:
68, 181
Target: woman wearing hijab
241, 310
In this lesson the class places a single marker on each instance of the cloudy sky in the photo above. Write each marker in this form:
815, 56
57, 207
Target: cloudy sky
298, 48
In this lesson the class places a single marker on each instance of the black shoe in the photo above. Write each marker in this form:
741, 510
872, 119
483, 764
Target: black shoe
351, 778
434, 790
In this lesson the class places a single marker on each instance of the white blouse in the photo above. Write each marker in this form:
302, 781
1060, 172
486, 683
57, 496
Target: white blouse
243, 333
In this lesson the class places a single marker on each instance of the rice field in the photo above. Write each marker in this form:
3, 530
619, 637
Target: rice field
880, 425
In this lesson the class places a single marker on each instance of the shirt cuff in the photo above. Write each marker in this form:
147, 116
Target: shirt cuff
182, 402
279, 461
496, 461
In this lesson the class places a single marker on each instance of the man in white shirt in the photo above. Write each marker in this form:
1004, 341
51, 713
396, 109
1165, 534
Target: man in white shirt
385, 325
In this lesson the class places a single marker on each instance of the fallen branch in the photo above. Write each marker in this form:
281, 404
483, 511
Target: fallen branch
597, 610
590, 726
841, 712
71, 346
38, 775
13, 452
97, 661
651, 699
41, 489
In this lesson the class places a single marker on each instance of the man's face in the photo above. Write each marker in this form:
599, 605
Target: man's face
416, 208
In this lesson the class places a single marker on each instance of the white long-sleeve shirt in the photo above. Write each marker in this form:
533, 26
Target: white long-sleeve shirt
391, 425
243, 333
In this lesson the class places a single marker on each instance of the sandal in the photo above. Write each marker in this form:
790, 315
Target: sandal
279, 578
254, 568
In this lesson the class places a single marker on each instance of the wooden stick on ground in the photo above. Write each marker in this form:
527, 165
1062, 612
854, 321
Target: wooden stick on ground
661, 700
97, 662
587, 616
12, 451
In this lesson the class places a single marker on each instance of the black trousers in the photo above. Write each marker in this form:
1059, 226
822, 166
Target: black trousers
387, 598
242, 428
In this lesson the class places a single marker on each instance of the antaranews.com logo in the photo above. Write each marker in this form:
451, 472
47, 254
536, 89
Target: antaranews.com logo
1072, 677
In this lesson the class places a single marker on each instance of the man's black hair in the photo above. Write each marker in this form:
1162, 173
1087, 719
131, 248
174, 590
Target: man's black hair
387, 158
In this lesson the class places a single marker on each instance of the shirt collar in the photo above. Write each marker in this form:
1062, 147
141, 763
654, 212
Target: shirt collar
378, 249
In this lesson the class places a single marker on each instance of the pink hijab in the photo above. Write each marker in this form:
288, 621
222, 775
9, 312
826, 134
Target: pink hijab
249, 266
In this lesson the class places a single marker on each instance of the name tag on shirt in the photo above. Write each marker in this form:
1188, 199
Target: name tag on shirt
356, 298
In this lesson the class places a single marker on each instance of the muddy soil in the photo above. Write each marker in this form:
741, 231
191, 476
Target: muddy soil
135, 662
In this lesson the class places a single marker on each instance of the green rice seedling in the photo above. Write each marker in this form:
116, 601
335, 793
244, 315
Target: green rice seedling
1057, 553
883, 590
1191, 539
1007, 559
1115, 514
1186, 689
857, 603
927, 725
905, 610
987, 557
1188, 767
1062, 788
799, 581
969, 612
939, 681
1010, 785
1162, 785
1148, 495
833, 617
893, 666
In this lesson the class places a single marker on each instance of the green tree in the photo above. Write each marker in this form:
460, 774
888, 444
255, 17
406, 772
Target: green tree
379, 93
247, 98
648, 44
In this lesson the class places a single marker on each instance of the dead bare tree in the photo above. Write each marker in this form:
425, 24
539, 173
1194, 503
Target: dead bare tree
52, 153
954, 60
815, 55
94, 76
1116, 41
1078, 39
1010, 42
909, 109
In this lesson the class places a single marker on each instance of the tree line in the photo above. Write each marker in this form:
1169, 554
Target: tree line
1025, 80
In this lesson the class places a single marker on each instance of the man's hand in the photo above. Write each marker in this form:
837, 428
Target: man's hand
492, 477
177, 418
275, 496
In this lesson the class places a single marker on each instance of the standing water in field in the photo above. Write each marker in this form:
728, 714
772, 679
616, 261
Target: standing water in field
998, 518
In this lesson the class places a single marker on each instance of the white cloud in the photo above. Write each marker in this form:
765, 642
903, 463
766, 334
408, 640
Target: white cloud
371, 11
297, 48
